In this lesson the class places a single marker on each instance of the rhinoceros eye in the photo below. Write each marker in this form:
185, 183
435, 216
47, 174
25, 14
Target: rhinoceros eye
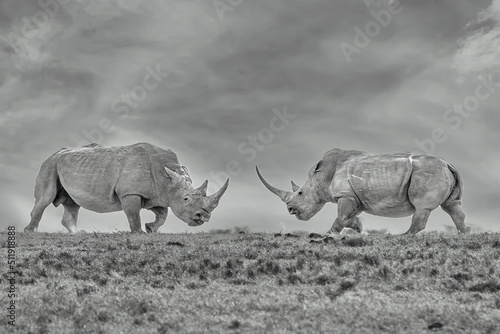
300, 192
186, 199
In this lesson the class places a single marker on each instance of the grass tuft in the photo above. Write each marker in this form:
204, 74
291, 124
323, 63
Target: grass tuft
492, 285
356, 242
235, 324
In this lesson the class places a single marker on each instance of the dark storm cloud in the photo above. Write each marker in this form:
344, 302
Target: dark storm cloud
225, 77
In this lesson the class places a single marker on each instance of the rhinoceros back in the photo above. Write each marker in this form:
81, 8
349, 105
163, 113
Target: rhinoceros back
96, 177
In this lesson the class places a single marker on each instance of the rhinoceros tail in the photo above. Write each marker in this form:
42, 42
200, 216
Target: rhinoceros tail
456, 193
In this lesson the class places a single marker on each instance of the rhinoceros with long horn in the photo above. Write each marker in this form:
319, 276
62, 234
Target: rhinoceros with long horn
387, 185
128, 178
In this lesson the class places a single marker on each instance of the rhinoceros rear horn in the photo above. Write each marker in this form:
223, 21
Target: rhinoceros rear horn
295, 187
283, 195
213, 200
202, 190
174, 176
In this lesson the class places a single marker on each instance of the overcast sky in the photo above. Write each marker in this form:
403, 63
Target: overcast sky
274, 83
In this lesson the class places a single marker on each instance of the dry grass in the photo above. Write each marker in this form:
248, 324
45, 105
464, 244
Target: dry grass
248, 283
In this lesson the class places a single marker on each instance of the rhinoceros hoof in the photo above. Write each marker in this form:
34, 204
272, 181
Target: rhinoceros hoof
466, 230
138, 231
329, 240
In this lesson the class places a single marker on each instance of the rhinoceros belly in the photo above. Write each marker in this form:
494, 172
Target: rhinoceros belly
391, 209
89, 183
91, 192
381, 184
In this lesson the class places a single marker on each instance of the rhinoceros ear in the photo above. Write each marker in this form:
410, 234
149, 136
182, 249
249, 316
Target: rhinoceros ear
295, 187
319, 167
174, 176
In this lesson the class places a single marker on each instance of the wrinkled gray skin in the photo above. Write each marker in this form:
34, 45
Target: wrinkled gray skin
128, 178
387, 185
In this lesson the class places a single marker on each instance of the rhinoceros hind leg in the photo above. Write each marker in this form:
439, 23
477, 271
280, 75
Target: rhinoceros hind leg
70, 215
131, 205
161, 216
45, 193
429, 188
457, 215
36, 215
418, 221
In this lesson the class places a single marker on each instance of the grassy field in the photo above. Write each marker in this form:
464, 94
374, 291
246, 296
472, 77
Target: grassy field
254, 283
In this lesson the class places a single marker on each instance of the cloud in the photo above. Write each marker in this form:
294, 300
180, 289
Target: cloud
480, 50
226, 77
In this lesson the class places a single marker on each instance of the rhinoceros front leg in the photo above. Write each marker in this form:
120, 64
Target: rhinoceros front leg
132, 205
336, 228
161, 216
347, 210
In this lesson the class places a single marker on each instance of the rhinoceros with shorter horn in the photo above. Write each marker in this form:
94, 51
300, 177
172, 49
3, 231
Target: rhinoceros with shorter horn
128, 178
387, 185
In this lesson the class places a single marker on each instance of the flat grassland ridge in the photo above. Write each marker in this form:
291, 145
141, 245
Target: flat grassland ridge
255, 283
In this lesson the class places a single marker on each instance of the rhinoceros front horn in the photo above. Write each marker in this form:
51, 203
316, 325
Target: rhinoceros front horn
213, 200
283, 195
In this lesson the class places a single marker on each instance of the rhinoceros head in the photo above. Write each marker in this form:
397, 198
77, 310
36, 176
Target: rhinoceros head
192, 206
306, 201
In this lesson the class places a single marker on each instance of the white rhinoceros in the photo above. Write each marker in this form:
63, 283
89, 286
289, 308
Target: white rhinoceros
387, 185
128, 178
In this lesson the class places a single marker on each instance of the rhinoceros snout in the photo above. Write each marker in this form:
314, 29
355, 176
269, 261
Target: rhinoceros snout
202, 216
293, 211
